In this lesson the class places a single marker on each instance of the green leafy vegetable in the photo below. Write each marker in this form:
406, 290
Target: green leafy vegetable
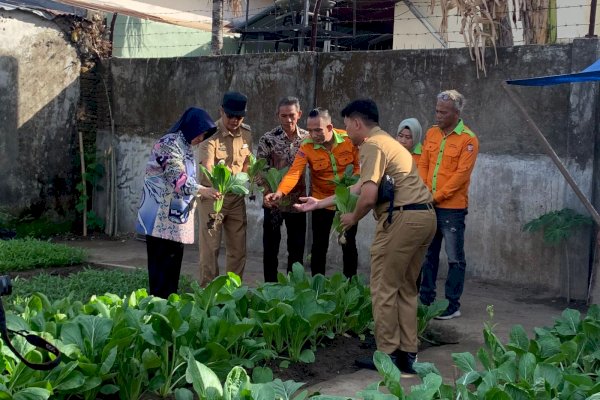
256, 168
345, 202
225, 182
347, 179
274, 176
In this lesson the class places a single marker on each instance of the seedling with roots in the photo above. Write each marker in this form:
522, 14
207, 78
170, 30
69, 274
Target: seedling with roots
225, 182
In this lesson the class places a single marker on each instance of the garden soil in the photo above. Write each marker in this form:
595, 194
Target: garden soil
333, 372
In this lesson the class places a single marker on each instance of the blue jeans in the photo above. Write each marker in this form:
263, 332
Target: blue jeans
451, 228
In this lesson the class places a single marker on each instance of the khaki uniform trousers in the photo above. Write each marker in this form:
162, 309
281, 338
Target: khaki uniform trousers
397, 254
234, 226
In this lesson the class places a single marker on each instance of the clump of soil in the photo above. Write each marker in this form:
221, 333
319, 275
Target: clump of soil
335, 356
214, 220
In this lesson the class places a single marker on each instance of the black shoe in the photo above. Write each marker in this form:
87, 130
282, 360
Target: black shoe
449, 314
405, 360
367, 363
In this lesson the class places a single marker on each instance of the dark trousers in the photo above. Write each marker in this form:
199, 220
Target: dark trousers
295, 224
164, 265
321, 227
450, 228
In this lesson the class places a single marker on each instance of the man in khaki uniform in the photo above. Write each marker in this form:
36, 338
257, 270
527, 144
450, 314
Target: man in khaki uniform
406, 224
231, 144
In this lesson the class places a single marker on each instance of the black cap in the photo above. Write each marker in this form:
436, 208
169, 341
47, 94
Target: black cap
234, 103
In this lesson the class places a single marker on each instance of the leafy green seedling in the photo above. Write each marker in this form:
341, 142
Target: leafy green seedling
347, 179
256, 168
225, 182
345, 202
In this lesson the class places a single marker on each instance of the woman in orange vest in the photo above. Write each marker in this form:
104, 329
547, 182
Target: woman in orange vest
409, 135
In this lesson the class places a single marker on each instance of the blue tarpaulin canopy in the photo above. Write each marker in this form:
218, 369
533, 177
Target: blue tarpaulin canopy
591, 73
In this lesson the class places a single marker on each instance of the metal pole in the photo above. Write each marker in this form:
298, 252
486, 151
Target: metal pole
592, 20
550, 151
354, 19
304, 26
315, 24
247, 10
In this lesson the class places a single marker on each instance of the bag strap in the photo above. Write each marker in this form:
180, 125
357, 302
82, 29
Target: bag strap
34, 340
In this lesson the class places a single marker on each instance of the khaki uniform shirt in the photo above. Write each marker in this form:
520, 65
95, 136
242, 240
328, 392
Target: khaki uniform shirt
231, 147
381, 154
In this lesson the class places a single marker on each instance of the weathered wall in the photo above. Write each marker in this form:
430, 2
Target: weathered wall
39, 91
514, 181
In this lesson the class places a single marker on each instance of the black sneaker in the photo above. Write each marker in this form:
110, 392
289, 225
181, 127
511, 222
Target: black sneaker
367, 363
449, 314
405, 361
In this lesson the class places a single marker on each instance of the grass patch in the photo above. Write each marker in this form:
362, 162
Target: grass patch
42, 228
24, 254
84, 284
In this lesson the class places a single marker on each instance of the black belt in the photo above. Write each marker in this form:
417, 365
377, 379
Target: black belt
411, 207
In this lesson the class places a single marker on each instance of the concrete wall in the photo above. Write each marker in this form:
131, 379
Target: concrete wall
39, 91
513, 182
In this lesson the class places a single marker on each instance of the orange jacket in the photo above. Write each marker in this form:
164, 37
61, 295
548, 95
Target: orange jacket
324, 165
446, 164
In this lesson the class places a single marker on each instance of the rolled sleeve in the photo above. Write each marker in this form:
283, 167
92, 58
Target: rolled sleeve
372, 164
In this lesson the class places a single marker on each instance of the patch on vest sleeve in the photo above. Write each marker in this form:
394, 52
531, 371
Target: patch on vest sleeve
470, 148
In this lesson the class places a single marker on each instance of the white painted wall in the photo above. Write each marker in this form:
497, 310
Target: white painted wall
409, 33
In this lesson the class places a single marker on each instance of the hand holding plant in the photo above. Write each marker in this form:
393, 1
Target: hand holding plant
273, 178
345, 201
209, 193
224, 182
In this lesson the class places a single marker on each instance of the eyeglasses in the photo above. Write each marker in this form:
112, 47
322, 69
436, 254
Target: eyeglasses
229, 116
447, 97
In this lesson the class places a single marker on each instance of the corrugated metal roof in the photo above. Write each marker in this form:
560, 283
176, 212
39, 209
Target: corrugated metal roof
44, 8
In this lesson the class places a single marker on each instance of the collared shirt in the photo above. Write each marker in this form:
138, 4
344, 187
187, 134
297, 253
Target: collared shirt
446, 164
279, 150
381, 154
324, 164
232, 148
416, 153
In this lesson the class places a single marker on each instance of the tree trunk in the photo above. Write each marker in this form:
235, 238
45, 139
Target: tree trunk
505, 35
501, 18
216, 44
534, 14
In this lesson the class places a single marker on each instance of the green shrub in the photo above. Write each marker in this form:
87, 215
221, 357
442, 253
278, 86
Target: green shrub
84, 284
24, 254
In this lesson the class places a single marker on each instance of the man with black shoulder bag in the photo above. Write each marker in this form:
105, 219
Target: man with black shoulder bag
390, 186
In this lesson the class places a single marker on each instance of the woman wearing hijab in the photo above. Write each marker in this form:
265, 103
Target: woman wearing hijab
166, 213
409, 135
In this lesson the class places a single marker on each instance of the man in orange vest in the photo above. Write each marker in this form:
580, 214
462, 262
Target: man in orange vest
447, 160
327, 152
